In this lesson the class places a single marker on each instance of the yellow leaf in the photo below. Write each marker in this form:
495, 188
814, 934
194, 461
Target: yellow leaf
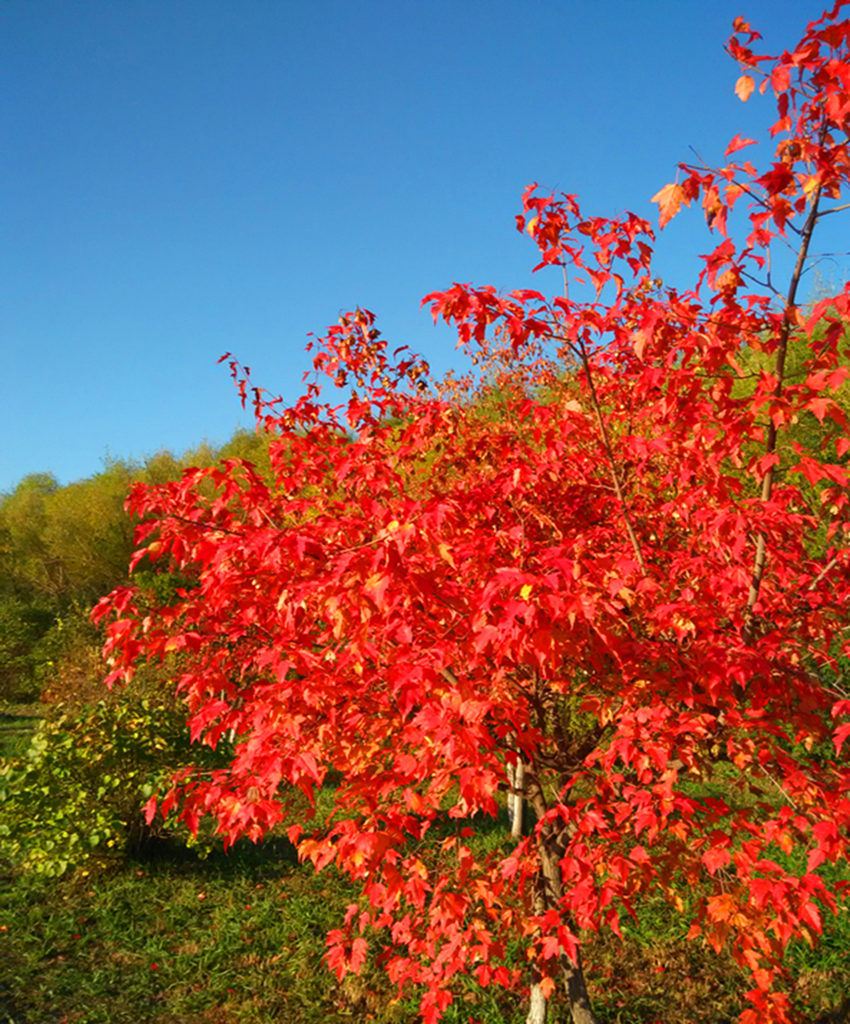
810, 184
525, 591
683, 625
446, 554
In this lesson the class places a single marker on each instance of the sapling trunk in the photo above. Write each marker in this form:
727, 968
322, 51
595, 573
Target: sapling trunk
516, 798
547, 896
536, 1005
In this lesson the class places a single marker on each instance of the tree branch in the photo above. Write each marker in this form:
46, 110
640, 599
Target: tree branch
760, 560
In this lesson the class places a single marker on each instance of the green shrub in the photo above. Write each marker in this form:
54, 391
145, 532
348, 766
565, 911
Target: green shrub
76, 795
69, 669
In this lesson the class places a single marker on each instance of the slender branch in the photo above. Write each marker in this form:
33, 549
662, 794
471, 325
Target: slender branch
760, 559
764, 284
779, 786
834, 209
609, 451
826, 569
449, 677
202, 525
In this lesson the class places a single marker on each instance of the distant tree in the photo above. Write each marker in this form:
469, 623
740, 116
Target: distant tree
61, 548
27, 566
88, 533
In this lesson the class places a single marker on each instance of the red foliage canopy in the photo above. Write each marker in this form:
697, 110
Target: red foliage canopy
610, 556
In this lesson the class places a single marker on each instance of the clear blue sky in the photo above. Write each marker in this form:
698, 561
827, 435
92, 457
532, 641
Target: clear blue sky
182, 178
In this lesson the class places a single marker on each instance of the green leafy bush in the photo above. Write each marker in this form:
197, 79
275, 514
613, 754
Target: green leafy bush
22, 627
77, 793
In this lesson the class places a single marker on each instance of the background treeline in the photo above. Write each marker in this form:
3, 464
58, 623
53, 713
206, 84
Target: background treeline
61, 548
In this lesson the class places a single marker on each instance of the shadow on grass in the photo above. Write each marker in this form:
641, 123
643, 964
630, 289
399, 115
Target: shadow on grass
15, 732
272, 857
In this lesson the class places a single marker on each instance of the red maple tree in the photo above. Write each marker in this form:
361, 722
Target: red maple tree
609, 558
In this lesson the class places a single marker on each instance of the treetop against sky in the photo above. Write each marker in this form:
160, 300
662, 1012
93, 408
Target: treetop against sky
184, 180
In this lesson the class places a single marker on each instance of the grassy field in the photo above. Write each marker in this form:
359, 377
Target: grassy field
175, 938
239, 938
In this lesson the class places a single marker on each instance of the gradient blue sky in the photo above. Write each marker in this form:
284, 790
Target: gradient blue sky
183, 178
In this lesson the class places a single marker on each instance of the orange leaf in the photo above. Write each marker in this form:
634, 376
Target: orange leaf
744, 87
641, 340
669, 199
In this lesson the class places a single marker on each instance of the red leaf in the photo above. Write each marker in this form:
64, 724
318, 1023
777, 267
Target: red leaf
840, 735
716, 858
738, 143
149, 810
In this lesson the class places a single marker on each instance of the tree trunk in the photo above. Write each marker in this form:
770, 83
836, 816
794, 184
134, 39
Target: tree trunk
536, 1006
572, 973
548, 895
517, 778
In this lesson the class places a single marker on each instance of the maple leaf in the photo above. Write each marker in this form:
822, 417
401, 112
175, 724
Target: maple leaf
669, 199
738, 143
716, 858
840, 735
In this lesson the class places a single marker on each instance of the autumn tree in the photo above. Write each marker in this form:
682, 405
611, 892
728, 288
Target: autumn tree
610, 583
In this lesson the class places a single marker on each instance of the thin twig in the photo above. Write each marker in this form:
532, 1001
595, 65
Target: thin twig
606, 441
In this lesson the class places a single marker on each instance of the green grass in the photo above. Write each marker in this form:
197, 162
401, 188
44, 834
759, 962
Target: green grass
228, 939
239, 938
225, 940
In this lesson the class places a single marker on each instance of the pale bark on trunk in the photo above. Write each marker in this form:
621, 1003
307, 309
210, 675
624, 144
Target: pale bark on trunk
536, 1006
517, 778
